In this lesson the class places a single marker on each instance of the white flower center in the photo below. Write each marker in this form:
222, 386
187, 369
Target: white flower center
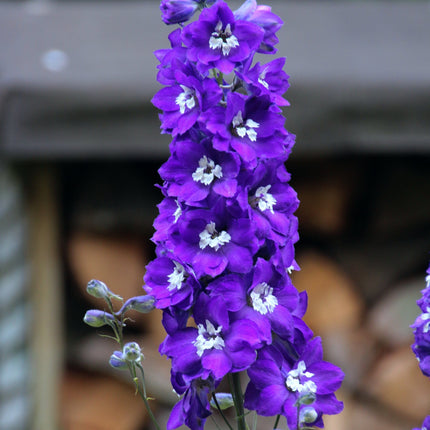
424, 317
185, 99
245, 129
290, 269
263, 199
262, 77
263, 301
210, 237
428, 281
295, 380
177, 277
208, 338
207, 171
178, 212
223, 39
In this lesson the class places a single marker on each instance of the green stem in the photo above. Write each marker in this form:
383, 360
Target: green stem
221, 412
254, 421
238, 400
142, 393
118, 330
110, 305
117, 325
276, 422
215, 423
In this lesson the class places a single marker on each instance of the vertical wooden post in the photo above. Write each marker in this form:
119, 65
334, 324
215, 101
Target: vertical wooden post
46, 293
15, 315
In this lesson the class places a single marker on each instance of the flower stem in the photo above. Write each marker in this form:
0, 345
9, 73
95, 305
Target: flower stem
238, 400
254, 421
117, 325
276, 422
143, 395
221, 412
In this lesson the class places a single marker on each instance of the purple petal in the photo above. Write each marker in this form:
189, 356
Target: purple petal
272, 399
264, 373
217, 362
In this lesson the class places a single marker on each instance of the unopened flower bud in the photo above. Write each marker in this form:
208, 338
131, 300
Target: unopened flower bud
132, 352
246, 10
117, 361
307, 398
308, 415
224, 400
97, 318
143, 304
177, 11
100, 290
180, 11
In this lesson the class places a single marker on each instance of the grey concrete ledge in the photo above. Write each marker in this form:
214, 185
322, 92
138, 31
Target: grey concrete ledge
360, 77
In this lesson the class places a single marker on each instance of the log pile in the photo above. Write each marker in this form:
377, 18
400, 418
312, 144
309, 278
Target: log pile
364, 248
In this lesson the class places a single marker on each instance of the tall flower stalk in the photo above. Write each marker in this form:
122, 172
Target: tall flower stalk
226, 228
225, 232
421, 346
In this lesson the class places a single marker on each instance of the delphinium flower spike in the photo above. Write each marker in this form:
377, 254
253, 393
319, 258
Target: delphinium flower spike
226, 228
421, 346
421, 326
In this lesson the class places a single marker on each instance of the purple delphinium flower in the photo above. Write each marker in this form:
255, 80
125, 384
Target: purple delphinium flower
175, 319
195, 170
263, 16
183, 102
218, 40
194, 407
169, 58
216, 347
252, 127
283, 255
170, 283
421, 326
226, 229
264, 296
426, 424
170, 210
421, 346
278, 382
269, 200
267, 79
212, 241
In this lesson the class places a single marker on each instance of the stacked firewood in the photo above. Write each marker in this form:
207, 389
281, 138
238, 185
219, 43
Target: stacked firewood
364, 248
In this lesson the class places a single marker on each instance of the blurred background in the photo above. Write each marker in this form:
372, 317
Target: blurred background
80, 148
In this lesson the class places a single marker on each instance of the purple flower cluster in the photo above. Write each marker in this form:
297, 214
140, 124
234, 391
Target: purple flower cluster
421, 326
421, 346
226, 229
